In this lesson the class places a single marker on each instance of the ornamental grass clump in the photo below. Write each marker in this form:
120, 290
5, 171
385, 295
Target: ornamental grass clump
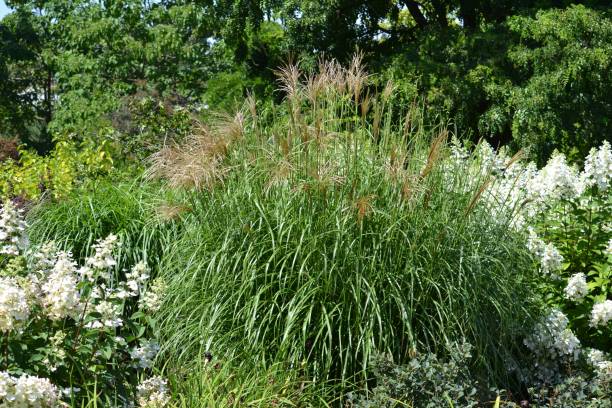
72, 328
332, 236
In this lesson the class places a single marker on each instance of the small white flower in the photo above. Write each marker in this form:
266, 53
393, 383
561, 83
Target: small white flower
598, 167
551, 259
145, 354
12, 229
153, 298
14, 309
61, 297
27, 391
601, 313
103, 256
576, 288
153, 393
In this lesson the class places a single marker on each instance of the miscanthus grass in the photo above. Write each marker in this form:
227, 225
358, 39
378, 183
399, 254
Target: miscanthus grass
329, 227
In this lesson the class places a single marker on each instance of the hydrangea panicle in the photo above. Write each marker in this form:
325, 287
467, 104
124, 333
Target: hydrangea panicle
12, 229
153, 393
576, 288
601, 313
14, 309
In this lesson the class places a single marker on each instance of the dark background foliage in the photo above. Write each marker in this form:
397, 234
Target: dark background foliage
534, 74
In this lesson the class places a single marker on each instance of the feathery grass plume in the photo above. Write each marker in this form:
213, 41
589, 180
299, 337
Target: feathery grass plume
170, 212
478, 194
251, 104
378, 112
434, 153
366, 103
333, 73
356, 77
198, 162
364, 206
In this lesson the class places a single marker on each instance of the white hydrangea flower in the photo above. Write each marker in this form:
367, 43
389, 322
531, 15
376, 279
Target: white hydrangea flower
551, 259
103, 256
595, 357
111, 314
576, 288
145, 354
609, 247
12, 229
554, 181
601, 313
153, 393
27, 391
14, 309
136, 277
61, 296
598, 167
153, 298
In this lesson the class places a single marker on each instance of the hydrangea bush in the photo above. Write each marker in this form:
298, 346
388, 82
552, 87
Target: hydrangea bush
68, 329
566, 216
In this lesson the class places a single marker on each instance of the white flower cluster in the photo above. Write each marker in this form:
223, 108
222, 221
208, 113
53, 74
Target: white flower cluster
553, 343
145, 354
576, 288
598, 167
27, 392
103, 256
549, 256
12, 228
603, 367
153, 393
601, 313
554, 181
60, 293
152, 299
14, 309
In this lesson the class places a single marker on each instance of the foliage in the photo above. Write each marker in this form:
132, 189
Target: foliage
564, 101
424, 381
67, 165
82, 327
145, 123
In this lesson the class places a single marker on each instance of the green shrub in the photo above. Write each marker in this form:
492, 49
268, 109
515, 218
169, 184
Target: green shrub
67, 165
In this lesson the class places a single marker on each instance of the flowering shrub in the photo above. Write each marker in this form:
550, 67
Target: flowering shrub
68, 328
31, 174
565, 215
577, 224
